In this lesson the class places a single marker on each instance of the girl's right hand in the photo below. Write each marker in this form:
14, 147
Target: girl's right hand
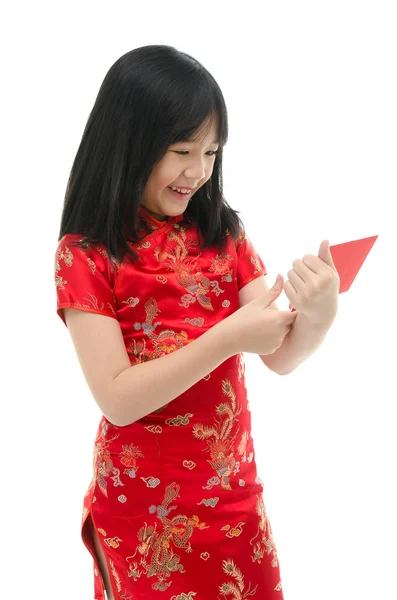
258, 329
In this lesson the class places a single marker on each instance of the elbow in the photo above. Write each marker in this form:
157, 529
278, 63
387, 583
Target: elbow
117, 419
115, 405
283, 373
111, 417
109, 406
114, 421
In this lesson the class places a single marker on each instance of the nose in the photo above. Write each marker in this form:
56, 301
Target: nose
195, 170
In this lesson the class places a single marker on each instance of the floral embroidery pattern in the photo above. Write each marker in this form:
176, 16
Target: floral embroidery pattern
128, 458
221, 266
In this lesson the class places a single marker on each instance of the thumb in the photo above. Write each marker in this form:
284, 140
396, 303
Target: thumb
325, 253
272, 294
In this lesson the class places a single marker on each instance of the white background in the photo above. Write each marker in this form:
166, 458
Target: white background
311, 94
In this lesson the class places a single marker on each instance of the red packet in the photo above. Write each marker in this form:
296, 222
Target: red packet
348, 259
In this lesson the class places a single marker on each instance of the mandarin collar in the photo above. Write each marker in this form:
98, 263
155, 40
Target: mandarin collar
143, 212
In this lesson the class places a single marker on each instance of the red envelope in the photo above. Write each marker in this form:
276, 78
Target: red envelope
348, 259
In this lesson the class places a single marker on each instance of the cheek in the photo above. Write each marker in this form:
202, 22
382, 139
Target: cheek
161, 177
167, 177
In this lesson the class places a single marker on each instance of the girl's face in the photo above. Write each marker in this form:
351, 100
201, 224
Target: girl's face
185, 164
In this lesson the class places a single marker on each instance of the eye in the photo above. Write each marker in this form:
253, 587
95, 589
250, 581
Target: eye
183, 152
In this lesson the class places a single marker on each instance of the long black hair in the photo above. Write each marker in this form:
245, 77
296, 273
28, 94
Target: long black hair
151, 98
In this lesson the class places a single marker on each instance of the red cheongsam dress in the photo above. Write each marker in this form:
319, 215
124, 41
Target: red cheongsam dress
175, 497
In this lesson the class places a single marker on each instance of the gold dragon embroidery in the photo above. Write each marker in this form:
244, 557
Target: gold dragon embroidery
156, 547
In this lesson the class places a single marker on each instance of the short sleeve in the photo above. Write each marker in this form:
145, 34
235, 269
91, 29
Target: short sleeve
249, 263
82, 278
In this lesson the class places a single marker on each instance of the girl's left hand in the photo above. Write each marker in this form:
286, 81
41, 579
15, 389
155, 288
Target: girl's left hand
313, 286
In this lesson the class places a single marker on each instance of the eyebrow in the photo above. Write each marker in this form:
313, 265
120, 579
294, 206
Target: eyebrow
191, 142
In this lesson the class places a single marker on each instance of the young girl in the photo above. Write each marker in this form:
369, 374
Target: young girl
152, 272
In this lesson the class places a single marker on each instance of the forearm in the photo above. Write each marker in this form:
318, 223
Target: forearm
142, 389
301, 342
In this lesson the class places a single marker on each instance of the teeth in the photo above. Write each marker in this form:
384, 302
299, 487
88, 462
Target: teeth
181, 190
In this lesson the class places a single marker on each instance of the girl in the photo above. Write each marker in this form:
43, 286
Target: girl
150, 271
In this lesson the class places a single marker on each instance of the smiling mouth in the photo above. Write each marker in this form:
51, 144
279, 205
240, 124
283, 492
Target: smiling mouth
181, 196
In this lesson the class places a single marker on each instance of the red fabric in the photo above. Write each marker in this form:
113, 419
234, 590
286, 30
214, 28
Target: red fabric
175, 497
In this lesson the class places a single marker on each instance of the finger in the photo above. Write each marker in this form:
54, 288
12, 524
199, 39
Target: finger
278, 284
270, 296
300, 276
291, 316
290, 292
